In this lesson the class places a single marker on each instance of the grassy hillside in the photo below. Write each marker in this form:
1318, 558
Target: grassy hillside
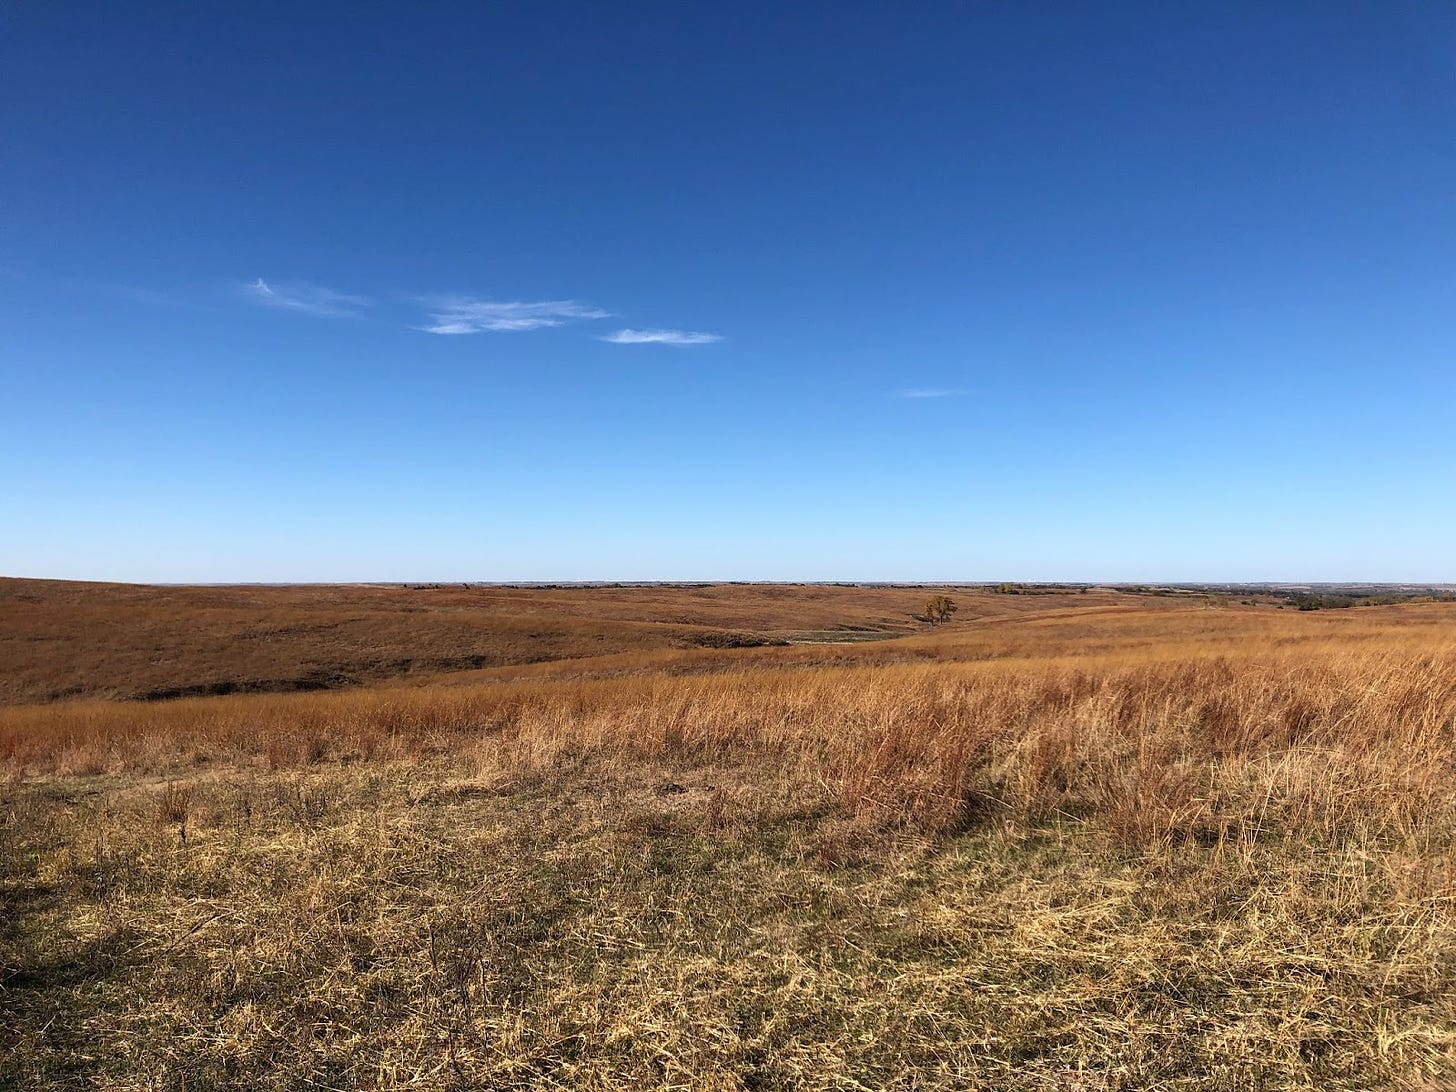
1074, 845
62, 639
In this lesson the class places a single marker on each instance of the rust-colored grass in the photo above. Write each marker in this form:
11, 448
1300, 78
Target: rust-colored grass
1101, 845
67, 640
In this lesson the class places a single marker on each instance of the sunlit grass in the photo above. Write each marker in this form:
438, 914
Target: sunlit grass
1116, 849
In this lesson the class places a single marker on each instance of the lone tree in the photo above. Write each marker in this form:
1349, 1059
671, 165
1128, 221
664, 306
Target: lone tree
939, 608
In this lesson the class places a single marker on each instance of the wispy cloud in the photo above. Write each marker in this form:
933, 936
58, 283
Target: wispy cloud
661, 337
310, 299
462, 315
932, 392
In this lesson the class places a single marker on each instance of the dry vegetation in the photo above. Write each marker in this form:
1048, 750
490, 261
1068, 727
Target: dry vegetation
1081, 843
62, 640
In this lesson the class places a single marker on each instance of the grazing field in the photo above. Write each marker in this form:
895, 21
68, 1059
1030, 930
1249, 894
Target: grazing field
1079, 841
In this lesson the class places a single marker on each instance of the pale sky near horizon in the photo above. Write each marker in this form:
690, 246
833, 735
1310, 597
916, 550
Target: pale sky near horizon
674, 291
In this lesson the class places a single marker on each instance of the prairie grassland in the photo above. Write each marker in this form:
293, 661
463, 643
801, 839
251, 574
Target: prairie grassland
62, 639
1105, 848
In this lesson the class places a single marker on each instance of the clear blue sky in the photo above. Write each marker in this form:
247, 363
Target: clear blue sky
675, 290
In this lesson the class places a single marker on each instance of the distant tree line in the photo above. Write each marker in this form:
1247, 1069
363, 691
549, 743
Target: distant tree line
1037, 589
1332, 601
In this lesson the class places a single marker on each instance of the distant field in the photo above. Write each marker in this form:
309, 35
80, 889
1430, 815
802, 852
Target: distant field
1077, 841
61, 639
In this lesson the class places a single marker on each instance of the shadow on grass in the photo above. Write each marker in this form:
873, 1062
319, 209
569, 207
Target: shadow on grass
49, 981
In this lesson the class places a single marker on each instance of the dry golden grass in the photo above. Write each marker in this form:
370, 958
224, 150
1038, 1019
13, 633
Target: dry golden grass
61, 639
1109, 847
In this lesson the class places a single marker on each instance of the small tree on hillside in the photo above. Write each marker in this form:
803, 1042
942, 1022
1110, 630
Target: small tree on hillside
939, 608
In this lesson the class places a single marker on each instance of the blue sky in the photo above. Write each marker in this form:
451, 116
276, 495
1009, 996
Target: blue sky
751, 291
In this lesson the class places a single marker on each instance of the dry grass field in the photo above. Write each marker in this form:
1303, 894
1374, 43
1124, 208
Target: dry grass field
62, 640
1083, 841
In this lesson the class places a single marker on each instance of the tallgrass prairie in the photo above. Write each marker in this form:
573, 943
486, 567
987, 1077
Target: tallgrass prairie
1092, 841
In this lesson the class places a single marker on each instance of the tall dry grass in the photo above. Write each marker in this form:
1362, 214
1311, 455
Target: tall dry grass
1321, 741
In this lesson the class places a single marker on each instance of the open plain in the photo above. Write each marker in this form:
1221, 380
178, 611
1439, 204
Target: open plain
723, 837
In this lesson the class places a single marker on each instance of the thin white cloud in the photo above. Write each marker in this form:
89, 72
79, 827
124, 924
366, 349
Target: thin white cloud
932, 392
309, 299
462, 315
661, 337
